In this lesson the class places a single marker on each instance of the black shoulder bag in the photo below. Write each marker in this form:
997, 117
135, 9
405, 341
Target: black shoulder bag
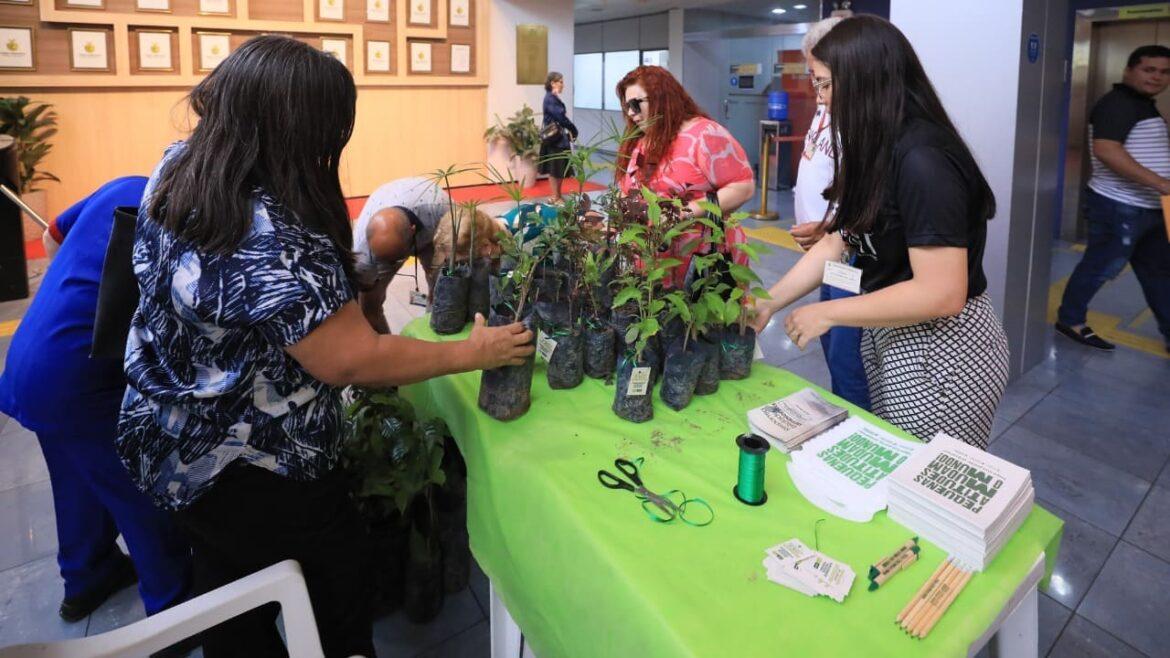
118, 289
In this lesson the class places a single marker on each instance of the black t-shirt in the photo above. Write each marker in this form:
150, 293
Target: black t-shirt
931, 200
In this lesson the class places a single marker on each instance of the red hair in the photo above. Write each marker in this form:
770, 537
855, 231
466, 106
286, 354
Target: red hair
673, 107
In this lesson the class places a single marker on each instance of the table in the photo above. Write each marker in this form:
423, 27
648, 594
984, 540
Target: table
583, 571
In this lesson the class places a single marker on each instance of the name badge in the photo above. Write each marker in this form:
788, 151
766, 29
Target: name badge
845, 277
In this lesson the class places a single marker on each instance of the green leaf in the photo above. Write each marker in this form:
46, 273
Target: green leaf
760, 293
624, 296
632, 333
668, 262
730, 311
742, 273
656, 306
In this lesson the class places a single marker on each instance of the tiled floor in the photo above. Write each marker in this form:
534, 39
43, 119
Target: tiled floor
1090, 426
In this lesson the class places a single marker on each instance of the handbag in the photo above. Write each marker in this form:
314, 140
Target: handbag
551, 133
117, 290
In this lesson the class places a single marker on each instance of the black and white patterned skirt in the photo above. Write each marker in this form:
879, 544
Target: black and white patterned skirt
944, 375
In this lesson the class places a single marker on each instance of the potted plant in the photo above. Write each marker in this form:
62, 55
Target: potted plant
394, 462
449, 299
691, 357
31, 125
505, 393
480, 267
521, 137
596, 267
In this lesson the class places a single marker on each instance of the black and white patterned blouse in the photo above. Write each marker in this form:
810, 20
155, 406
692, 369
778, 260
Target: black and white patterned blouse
209, 379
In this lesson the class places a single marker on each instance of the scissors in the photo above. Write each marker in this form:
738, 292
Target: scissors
659, 507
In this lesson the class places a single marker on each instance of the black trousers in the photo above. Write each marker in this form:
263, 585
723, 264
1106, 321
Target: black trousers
252, 518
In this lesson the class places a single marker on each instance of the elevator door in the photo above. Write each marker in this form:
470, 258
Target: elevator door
1110, 44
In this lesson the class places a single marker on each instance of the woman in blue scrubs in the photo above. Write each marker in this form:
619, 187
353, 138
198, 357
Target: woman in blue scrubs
51, 386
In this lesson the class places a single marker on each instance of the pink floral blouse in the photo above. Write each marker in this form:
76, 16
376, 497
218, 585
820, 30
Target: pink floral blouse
704, 157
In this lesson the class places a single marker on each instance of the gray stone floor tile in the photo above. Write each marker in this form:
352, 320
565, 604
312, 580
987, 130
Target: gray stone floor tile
1018, 399
29, 597
1131, 599
123, 608
1096, 492
1150, 528
1130, 366
396, 636
1053, 618
813, 368
1117, 441
1083, 551
21, 462
1141, 406
998, 427
1084, 639
475, 642
28, 529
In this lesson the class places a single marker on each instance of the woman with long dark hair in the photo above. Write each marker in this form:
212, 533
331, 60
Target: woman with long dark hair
912, 209
246, 330
679, 152
553, 151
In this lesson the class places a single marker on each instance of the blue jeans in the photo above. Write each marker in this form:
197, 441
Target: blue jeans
1118, 234
842, 347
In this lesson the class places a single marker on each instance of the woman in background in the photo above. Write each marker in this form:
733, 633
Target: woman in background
554, 152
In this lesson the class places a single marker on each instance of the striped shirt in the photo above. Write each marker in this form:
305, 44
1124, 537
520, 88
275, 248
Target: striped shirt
1131, 118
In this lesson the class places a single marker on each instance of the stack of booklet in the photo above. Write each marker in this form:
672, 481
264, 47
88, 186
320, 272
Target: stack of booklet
792, 420
798, 567
844, 470
965, 500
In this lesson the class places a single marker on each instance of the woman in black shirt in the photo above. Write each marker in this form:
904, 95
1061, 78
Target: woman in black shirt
912, 206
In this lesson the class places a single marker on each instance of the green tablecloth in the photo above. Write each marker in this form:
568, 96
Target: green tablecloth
584, 572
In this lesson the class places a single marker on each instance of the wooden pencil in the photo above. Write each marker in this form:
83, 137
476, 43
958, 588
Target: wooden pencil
954, 593
918, 599
910, 558
934, 600
891, 560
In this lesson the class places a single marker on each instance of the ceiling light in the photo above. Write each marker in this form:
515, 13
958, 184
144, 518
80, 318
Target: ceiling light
779, 10
800, 6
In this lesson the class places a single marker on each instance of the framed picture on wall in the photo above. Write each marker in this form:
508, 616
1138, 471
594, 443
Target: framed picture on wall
88, 50
420, 57
331, 10
335, 47
16, 2
378, 56
460, 58
16, 48
215, 7
154, 51
378, 11
214, 47
152, 5
420, 12
85, 4
460, 14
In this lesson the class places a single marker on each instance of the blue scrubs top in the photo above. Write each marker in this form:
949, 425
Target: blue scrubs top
49, 382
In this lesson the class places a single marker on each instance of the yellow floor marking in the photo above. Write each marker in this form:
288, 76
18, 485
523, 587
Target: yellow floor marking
1146, 314
8, 328
1107, 326
774, 235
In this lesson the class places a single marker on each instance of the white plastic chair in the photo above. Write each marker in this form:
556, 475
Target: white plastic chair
282, 583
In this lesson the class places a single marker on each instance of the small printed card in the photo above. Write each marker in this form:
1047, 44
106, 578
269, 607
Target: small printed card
335, 47
16, 48
154, 51
213, 49
545, 346
420, 12
89, 51
639, 382
420, 57
460, 58
378, 11
378, 58
331, 10
798, 567
460, 13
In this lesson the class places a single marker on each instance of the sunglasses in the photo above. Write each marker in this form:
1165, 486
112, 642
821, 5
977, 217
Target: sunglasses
635, 104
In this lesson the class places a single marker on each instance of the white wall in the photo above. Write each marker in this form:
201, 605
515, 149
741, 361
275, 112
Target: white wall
973, 59
504, 95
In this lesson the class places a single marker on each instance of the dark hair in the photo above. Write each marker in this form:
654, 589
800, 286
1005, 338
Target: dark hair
553, 76
878, 85
276, 115
1136, 56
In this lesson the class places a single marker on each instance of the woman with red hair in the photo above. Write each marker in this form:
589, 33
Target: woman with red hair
680, 153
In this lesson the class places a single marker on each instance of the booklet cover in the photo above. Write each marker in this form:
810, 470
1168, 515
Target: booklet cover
795, 418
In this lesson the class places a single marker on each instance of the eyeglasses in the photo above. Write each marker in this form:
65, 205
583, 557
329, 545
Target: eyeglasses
635, 104
823, 84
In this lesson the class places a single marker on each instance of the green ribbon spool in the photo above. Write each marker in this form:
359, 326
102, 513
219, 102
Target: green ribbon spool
749, 488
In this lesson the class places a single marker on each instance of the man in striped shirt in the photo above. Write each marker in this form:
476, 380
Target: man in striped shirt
1130, 152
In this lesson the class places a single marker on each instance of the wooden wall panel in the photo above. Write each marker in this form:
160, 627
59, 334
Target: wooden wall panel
276, 10
399, 132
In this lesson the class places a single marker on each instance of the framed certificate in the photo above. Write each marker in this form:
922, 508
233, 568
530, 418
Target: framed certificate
460, 15
331, 10
152, 5
214, 47
154, 51
377, 56
378, 11
16, 2
420, 57
460, 58
88, 50
215, 7
16, 49
420, 12
335, 47
85, 4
